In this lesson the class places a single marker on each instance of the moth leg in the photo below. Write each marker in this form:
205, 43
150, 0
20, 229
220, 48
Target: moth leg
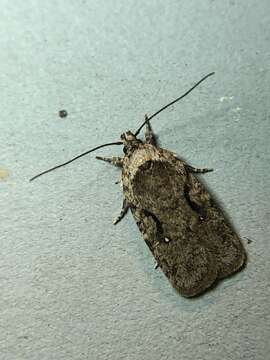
149, 135
114, 160
119, 181
123, 212
197, 170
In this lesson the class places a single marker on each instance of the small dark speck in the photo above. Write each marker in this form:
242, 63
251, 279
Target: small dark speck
249, 241
63, 113
24, 337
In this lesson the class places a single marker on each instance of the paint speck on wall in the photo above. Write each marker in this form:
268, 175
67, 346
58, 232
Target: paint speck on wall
224, 98
3, 174
237, 109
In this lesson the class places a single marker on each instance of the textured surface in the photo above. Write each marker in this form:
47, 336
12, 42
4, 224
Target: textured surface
188, 235
73, 286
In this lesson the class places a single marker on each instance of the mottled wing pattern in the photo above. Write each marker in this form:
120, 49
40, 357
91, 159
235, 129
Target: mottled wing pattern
187, 233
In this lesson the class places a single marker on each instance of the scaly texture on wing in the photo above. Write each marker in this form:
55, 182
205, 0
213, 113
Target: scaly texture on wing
189, 265
188, 235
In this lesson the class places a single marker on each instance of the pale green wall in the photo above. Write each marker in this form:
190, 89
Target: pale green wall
73, 286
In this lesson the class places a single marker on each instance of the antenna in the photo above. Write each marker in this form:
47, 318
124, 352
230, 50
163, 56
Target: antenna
75, 158
173, 102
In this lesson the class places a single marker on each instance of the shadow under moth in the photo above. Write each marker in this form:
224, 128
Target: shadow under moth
187, 233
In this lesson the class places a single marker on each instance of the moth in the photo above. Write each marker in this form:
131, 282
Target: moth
187, 233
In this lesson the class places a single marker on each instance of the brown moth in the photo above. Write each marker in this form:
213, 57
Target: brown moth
187, 233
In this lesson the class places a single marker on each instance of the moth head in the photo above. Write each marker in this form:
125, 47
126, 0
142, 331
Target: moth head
128, 137
130, 142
